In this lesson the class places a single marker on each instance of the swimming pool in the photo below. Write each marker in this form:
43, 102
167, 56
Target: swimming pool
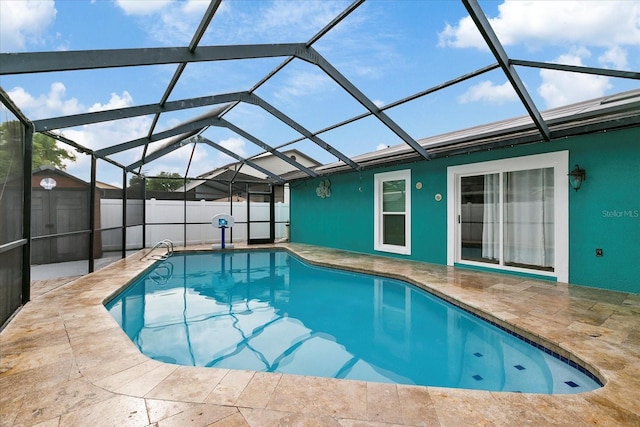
269, 311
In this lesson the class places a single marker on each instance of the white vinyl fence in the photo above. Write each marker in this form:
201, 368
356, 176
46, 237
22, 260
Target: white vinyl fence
173, 211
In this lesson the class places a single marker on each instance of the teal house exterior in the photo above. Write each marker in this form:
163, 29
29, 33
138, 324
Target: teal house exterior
495, 200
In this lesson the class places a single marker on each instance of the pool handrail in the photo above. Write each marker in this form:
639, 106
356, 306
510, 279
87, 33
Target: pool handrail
166, 243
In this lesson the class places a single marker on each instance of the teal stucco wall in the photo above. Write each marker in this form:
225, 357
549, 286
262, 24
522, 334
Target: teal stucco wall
603, 214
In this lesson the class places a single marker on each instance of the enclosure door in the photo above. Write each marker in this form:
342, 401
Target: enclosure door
260, 217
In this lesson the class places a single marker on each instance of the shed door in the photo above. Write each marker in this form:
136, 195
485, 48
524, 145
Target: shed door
41, 226
57, 212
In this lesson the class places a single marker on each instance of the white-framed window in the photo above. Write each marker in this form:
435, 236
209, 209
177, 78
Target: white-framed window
510, 214
392, 207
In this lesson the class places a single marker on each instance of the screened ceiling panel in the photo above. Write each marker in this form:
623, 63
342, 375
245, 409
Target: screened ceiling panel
309, 96
99, 136
270, 22
257, 121
108, 173
231, 140
405, 52
177, 161
482, 99
199, 79
312, 150
362, 136
347, 77
182, 118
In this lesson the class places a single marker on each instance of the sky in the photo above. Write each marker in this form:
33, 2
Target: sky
390, 49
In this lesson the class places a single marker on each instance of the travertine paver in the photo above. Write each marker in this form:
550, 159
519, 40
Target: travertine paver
65, 361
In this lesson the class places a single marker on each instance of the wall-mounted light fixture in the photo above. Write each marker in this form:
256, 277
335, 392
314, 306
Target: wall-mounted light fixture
576, 177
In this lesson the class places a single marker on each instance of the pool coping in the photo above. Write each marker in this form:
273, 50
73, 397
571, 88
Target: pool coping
103, 355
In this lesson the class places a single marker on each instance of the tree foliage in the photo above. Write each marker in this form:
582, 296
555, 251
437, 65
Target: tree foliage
45, 149
47, 152
164, 181
11, 147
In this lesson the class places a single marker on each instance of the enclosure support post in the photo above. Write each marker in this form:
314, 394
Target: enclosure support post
144, 212
231, 205
272, 214
26, 215
124, 213
246, 189
92, 214
184, 217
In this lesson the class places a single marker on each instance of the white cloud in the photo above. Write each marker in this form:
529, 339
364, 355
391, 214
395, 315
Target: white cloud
47, 105
561, 88
177, 162
116, 101
167, 21
201, 163
465, 34
197, 6
381, 147
101, 135
616, 58
608, 27
290, 18
24, 22
236, 145
55, 103
303, 83
558, 23
106, 134
139, 7
489, 92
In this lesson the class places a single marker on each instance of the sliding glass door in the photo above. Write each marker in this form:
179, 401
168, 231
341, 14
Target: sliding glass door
510, 215
507, 218
479, 219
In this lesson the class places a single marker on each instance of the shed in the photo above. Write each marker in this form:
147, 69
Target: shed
60, 217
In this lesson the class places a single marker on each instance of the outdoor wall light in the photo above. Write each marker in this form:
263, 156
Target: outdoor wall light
576, 177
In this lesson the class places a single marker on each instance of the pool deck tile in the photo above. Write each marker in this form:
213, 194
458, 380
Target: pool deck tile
383, 403
230, 387
259, 390
65, 361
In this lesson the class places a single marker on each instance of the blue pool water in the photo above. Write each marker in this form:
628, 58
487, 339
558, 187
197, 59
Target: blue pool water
269, 311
